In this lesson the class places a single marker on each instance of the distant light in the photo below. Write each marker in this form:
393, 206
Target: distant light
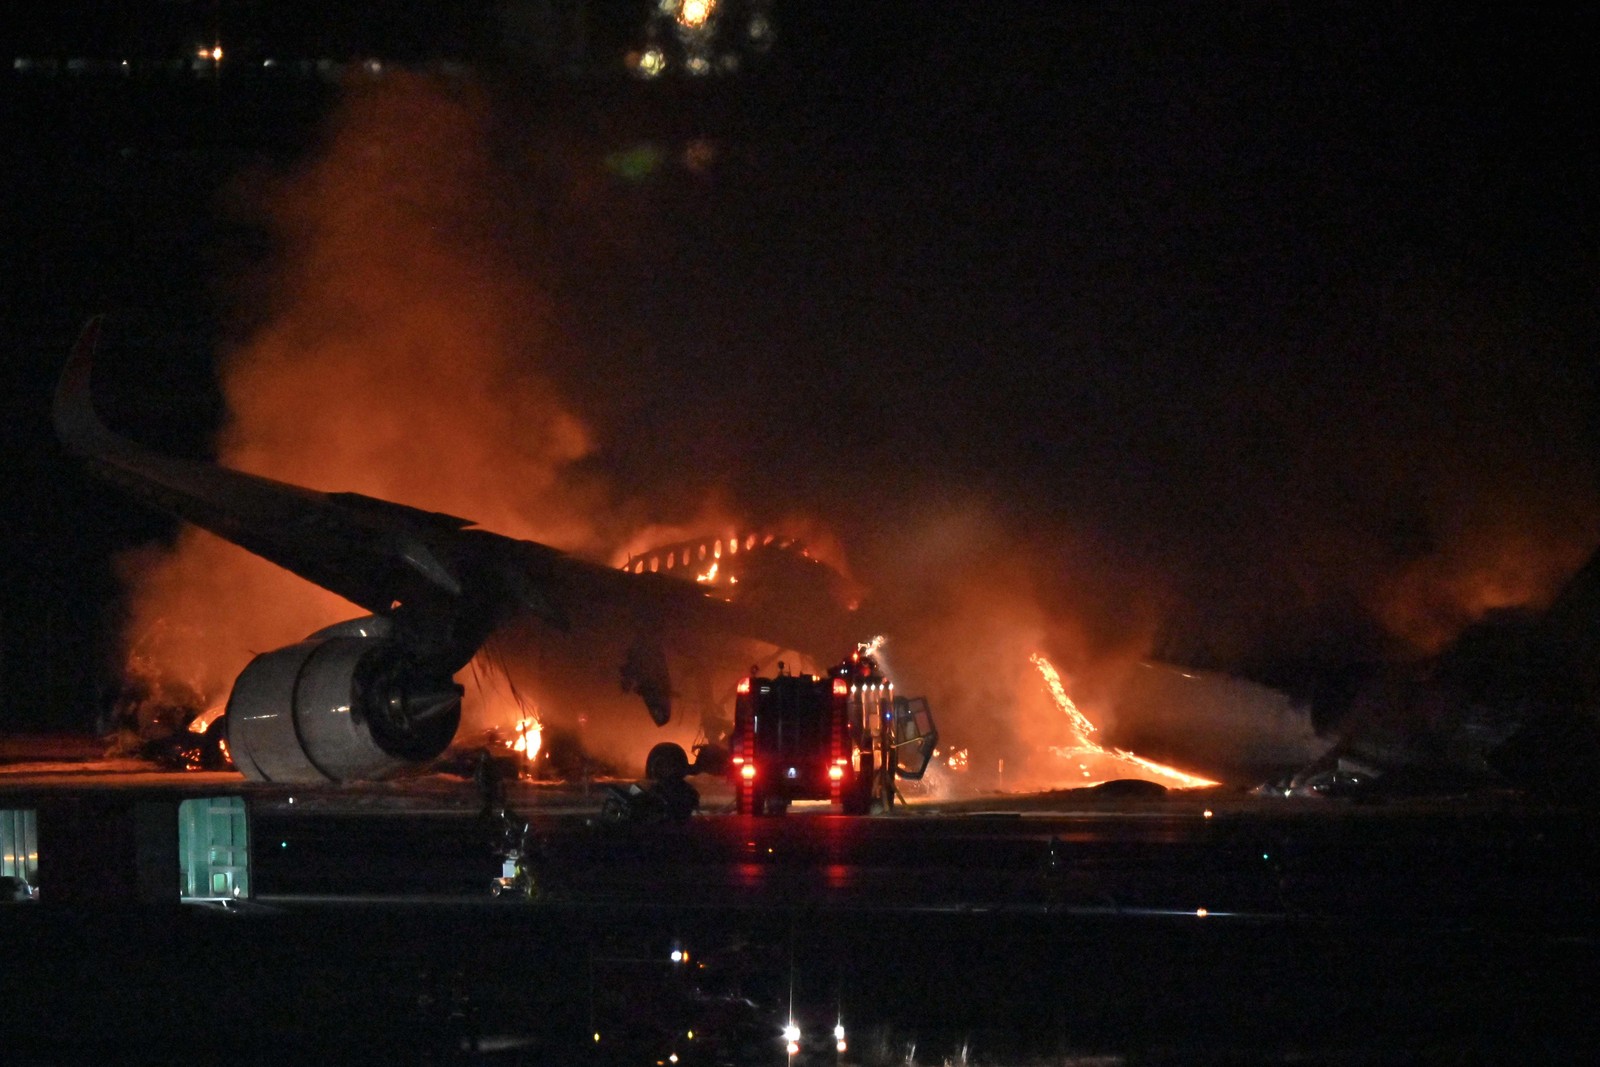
672, 1058
838, 1032
597, 1037
839, 1045
791, 1032
677, 955
284, 845
1207, 813
650, 65
1201, 913
793, 1048
748, 772
689, 1035
836, 773
695, 13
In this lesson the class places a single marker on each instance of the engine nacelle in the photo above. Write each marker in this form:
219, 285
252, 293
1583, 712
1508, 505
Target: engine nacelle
341, 705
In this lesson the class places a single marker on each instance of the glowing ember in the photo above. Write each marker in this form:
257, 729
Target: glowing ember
708, 576
957, 760
1106, 765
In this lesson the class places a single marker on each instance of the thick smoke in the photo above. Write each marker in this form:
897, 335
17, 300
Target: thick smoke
474, 309
401, 357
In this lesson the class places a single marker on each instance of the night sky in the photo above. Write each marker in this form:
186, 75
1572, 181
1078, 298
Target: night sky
1269, 323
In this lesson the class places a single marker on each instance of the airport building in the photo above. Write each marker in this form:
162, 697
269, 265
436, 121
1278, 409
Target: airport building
123, 846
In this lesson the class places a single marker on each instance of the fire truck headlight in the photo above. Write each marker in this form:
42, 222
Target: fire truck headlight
838, 1032
748, 772
791, 1033
836, 773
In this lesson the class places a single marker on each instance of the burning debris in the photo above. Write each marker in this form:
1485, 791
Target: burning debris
526, 738
160, 719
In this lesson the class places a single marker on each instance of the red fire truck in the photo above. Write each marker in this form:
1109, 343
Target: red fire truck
843, 737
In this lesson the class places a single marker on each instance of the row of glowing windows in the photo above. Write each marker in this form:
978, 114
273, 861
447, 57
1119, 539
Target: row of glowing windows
701, 553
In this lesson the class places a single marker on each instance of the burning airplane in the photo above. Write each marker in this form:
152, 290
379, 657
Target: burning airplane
373, 696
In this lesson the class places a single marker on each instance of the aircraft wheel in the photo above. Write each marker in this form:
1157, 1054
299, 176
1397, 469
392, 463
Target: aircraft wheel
666, 760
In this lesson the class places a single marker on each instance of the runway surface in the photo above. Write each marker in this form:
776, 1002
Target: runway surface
1444, 932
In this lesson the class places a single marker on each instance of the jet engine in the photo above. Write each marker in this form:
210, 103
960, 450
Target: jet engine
345, 704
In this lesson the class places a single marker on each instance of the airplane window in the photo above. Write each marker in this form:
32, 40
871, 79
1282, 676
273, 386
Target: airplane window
655, 562
716, 550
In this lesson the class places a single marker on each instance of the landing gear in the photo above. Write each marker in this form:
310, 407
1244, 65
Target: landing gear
665, 761
663, 796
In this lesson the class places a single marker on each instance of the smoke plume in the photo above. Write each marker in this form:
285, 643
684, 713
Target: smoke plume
474, 309
400, 357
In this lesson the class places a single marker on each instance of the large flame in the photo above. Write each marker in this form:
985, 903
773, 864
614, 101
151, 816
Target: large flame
1093, 762
528, 736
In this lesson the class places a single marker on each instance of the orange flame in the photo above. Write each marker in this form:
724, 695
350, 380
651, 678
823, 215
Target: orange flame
529, 736
1116, 763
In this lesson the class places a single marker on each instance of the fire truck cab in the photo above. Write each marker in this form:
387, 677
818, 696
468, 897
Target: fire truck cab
843, 737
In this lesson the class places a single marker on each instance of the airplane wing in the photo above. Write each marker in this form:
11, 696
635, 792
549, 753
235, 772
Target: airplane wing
369, 551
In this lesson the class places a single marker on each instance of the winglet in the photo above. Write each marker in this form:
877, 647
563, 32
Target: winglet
77, 425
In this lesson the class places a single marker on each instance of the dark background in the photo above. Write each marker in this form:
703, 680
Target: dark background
1241, 308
